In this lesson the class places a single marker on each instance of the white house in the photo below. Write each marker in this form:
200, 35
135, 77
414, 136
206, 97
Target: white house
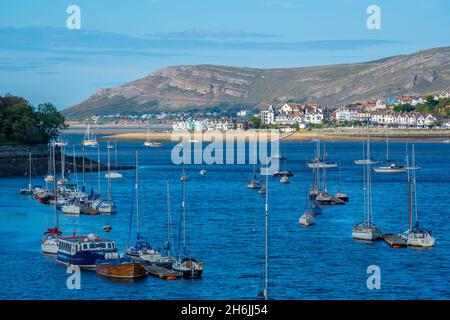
268, 116
344, 114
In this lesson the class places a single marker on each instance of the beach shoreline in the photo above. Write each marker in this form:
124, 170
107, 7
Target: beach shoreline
325, 134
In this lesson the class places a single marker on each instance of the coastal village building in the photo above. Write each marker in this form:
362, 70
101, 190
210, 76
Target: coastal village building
268, 116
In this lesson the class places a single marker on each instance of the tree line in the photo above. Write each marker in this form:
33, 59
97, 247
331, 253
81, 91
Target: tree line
21, 123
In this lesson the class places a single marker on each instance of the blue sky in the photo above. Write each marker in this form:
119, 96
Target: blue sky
121, 41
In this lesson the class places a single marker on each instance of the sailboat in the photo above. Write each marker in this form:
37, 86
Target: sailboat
113, 174
340, 194
49, 243
108, 206
391, 167
415, 236
49, 178
185, 263
73, 208
140, 249
89, 139
29, 190
152, 144
318, 161
265, 293
307, 218
254, 183
364, 160
367, 230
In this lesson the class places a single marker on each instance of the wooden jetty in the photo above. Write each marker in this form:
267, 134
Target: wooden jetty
161, 272
394, 240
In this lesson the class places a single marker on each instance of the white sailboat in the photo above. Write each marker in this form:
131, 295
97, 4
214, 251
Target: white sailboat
364, 160
415, 236
321, 163
391, 167
367, 230
185, 264
151, 144
141, 248
49, 243
49, 178
254, 183
108, 206
265, 293
29, 190
113, 174
89, 138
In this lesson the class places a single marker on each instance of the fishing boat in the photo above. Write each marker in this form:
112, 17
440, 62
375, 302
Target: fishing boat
390, 167
415, 235
84, 250
188, 266
108, 206
120, 268
366, 230
28, 191
89, 138
325, 199
203, 172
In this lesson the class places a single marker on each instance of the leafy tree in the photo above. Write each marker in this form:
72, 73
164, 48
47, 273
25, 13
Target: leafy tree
20, 123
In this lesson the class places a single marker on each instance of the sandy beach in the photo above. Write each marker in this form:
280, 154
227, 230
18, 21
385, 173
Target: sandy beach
326, 134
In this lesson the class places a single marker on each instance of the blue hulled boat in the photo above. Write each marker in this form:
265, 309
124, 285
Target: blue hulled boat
83, 251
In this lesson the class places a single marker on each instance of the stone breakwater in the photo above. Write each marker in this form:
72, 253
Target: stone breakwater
14, 162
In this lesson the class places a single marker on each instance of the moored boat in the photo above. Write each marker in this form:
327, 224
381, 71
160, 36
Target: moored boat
307, 219
84, 250
121, 268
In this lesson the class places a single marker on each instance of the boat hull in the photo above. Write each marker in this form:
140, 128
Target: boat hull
132, 270
306, 220
366, 234
84, 260
389, 170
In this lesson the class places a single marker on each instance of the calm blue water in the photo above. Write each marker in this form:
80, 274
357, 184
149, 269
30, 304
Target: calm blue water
226, 231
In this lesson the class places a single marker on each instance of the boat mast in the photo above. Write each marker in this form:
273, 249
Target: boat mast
109, 178
409, 191
84, 173
55, 193
387, 146
266, 246
75, 166
98, 170
137, 196
369, 184
115, 150
63, 174
414, 189
169, 220
29, 171
183, 204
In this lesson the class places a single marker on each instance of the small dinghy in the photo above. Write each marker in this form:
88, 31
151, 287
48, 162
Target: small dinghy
307, 219
121, 268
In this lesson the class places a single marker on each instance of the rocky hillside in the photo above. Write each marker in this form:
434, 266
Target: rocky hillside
206, 86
